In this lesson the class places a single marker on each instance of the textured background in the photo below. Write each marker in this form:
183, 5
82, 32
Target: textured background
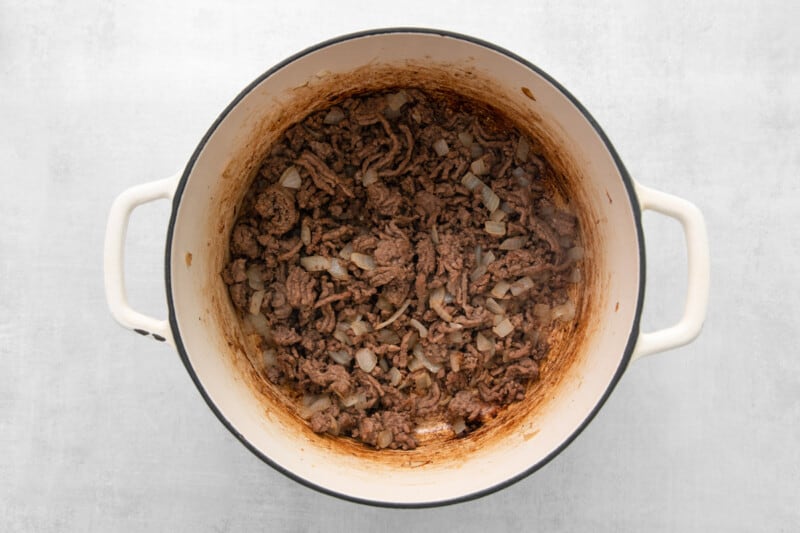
103, 430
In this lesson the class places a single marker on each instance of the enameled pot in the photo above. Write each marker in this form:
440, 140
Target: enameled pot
586, 360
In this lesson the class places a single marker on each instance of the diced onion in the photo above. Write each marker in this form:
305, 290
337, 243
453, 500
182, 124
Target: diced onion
506, 208
338, 270
363, 261
482, 267
394, 377
471, 181
385, 438
455, 361
496, 319
513, 243
523, 149
436, 302
479, 167
366, 359
315, 263
477, 272
575, 275
422, 380
494, 307
397, 100
500, 290
497, 229
270, 357
351, 400
575, 254
503, 328
423, 331
498, 215
475, 150
340, 333
370, 177
414, 364
518, 172
291, 178
309, 398
384, 364
255, 302
523, 181
419, 354
483, 343
342, 337
341, 357
441, 148
334, 116
259, 324
355, 399
436, 297
254, 278
362, 403
412, 340
434, 235
489, 198
521, 285
458, 425
305, 232
360, 327
397, 314
318, 405
346, 251
455, 337
564, 312
388, 336
465, 138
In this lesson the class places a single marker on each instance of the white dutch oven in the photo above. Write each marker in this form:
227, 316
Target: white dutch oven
585, 362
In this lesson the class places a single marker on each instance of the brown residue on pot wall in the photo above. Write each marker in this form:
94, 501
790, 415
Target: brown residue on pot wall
438, 449
527, 92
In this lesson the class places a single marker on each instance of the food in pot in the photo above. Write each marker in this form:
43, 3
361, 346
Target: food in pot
402, 258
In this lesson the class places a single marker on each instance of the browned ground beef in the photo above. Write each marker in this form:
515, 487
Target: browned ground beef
319, 267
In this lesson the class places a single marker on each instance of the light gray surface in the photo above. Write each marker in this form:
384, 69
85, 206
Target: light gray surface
103, 430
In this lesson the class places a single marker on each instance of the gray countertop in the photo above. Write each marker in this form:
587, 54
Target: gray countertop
103, 430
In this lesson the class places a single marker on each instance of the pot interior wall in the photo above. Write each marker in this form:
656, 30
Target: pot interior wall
584, 360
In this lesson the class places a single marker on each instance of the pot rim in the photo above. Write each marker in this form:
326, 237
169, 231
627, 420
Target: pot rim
632, 338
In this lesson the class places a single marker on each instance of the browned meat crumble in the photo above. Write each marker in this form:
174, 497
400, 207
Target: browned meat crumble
402, 261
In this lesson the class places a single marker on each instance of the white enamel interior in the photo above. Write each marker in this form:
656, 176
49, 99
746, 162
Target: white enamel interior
548, 428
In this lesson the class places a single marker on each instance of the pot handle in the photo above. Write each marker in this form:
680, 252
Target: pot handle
694, 227
114, 253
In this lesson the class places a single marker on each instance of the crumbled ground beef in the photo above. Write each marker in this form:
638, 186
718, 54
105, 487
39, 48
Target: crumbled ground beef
378, 278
